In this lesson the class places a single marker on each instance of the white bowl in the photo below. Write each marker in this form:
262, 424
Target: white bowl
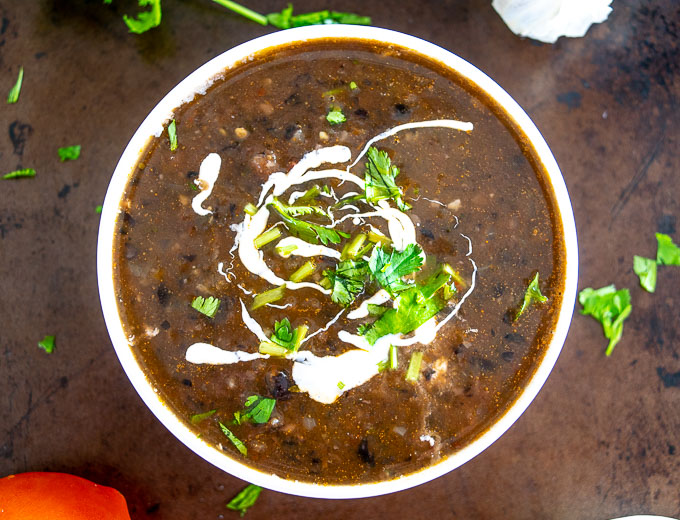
153, 125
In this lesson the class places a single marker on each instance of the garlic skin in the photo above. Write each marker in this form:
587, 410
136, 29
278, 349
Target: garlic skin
547, 20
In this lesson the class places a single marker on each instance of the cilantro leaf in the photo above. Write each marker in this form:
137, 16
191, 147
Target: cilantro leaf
380, 175
69, 153
98, 208
257, 410
146, 19
245, 499
389, 268
307, 231
47, 344
645, 268
667, 253
285, 19
172, 135
533, 293
197, 418
207, 306
234, 440
13, 95
347, 280
610, 307
335, 116
17, 174
412, 311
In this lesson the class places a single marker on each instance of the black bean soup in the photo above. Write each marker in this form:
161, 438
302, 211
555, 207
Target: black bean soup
481, 190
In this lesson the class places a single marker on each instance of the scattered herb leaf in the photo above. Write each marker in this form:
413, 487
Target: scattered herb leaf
245, 499
172, 135
207, 306
234, 440
13, 95
197, 418
667, 253
347, 280
412, 311
389, 268
17, 174
645, 268
335, 116
610, 307
145, 20
341, 385
533, 293
47, 344
257, 410
306, 230
380, 175
98, 208
69, 153
352, 85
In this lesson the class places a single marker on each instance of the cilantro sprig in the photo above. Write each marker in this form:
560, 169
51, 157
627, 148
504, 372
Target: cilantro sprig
532, 294
256, 409
306, 230
69, 153
347, 280
47, 344
234, 440
335, 116
388, 269
245, 499
208, 306
145, 20
380, 179
285, 18
667, 252
608, 306
645, 268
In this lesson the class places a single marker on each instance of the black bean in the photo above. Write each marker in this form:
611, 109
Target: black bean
365, 454
361, 113
192, 174
401, 108
187, 382
163, 294
278, 384
428, 373
514, 337
165, 325
427, 233
290, 132
508, 355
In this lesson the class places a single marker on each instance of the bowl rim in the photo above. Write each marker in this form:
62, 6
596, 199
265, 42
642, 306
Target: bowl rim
153, 125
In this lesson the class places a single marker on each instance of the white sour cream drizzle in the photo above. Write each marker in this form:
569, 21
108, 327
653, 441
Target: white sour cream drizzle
207, 175
323, 378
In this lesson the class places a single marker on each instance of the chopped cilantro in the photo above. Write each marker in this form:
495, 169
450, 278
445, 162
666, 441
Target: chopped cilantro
380, 175
533, 293
257, 410
146, 19
17, 174
197, 418
172, 135
286, 337
47, 344
13, 95
341, 385
234, 440
245, 499
306, 230
347, 280
69, 153
207, 306
393, 361
352, 85
413, 370
667, 253
98, 208
412, 311
389, 268
335, 116
610, 307
645, 268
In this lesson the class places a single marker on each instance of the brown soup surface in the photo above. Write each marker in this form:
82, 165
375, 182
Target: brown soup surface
485, 185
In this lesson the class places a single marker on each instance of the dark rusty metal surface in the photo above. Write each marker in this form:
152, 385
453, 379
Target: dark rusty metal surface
601, 440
